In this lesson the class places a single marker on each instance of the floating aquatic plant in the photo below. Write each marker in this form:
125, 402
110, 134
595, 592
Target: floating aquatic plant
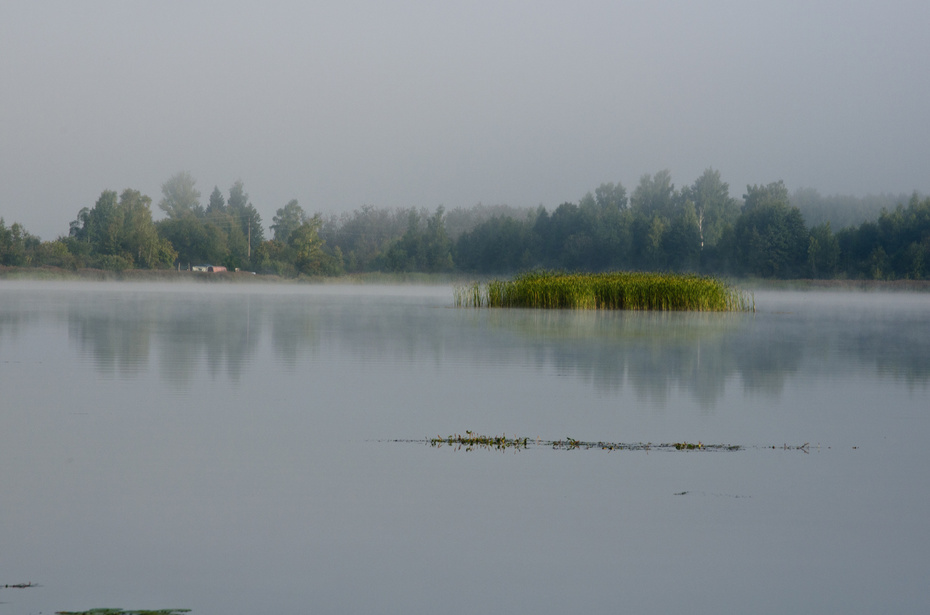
471, 441
625, 290
125, 612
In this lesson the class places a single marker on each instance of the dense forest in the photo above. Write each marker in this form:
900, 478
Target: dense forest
699, 227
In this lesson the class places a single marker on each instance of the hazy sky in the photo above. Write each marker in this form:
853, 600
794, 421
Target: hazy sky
341, 104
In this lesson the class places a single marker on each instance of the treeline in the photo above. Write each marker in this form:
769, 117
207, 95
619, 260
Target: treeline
658, 227
119, 233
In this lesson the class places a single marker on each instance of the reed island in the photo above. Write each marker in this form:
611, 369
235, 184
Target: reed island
623, 290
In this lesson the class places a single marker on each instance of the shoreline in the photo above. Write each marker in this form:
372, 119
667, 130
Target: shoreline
57, 274
244, 277
837, 285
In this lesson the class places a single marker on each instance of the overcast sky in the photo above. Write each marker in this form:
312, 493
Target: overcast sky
396, 104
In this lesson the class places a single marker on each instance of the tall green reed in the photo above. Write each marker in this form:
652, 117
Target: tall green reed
607, 291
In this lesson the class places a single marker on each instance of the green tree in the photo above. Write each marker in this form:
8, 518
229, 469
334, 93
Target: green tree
611, 197
364, 236
681, 243
498, 245
655, 195
425, 246
287, 220
16, 245
238, 197
308, 252
654, 249
247, 216
565, 235
773, 194
605, 219
181, 198
139, 238
770, 237
106, 224
217, 203
197, 242
119, 233
224, 226
438, 246
823, 252
897, 245
303, 253
56, 254
713, 206
272, 257
856, 246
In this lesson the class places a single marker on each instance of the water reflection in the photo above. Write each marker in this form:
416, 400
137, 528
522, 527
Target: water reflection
652, 354
12, 323
116, 334
292, 331
899, 350
692, 353
221, 333
15, 313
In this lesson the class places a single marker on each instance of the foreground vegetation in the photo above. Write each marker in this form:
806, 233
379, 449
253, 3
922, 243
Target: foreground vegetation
106, 611
607, 291
698, 228
471, 441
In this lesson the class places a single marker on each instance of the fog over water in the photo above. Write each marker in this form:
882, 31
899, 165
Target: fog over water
418, 104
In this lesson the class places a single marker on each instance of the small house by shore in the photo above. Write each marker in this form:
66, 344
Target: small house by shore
208, 269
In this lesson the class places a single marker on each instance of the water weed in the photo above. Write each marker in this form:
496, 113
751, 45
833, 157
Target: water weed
106, 611
471, 441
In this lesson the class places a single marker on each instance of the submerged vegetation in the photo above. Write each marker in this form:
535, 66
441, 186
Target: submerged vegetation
607, 291
471, 441
124, 612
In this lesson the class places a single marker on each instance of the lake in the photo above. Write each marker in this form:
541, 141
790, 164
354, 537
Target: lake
264, 449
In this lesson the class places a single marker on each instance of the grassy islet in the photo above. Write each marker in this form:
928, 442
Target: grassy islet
623, 290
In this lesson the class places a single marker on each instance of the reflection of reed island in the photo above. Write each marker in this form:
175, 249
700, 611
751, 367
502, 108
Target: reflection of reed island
651, 353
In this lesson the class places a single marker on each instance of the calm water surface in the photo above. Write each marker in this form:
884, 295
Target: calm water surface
228, 449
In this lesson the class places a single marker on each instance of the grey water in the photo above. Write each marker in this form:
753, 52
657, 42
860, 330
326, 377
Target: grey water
235, 449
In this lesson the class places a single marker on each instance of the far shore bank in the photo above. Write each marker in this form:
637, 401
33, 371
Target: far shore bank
245, 277
52, 274
839, 285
